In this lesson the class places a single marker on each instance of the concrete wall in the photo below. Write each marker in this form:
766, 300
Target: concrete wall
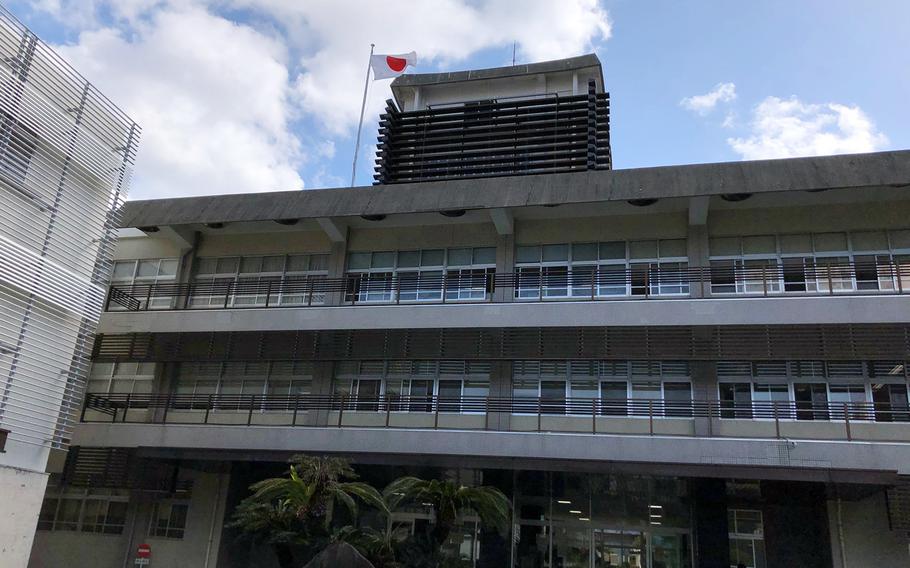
197, 549
861, 537
20, 501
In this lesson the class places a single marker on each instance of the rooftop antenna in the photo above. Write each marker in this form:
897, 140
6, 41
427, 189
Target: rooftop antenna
513, 53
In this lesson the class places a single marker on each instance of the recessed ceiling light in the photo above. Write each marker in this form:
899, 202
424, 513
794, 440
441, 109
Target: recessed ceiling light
574, 512
583, 519
564, 502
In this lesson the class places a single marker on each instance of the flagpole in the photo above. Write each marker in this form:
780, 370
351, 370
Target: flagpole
363, 105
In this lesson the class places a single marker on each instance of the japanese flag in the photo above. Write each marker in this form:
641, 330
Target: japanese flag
386, 66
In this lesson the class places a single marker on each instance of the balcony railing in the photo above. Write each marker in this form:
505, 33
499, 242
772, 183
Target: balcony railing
537, 284
770, 419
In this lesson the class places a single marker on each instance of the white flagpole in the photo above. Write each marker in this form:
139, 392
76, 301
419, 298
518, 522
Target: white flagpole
366, 85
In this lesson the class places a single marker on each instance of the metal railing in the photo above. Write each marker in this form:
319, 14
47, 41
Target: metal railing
591, 415
535, 284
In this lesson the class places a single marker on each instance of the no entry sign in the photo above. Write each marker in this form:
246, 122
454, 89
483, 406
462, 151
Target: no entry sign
143, 554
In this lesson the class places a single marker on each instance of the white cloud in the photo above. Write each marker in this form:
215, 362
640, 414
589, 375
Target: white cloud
236, 106
704, 104
334, 40
213, 98
784, 128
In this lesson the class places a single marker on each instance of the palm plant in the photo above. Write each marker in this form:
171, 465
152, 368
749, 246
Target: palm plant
297, 509
315, 483
450, 500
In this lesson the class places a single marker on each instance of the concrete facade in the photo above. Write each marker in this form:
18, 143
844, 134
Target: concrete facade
740, 330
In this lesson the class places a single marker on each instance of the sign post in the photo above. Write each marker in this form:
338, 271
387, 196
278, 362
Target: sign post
143, 555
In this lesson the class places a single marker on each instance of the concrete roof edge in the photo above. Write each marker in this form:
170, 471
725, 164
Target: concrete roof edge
554, 65
890, 168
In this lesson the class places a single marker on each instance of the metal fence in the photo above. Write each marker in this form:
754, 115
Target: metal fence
290, 410
592, 283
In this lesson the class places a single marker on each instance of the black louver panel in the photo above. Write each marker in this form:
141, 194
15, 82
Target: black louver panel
543, 134
806, 342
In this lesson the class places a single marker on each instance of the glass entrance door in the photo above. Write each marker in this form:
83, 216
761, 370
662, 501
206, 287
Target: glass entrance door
571, 547
669, 551
619, 549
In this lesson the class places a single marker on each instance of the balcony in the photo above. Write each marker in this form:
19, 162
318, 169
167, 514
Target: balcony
550, 284
844, 421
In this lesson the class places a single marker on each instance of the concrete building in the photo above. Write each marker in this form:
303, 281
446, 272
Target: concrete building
700, 365
65, 160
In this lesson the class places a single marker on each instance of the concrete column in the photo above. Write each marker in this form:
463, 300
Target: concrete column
323, 373
697, 249
704, 388
23, 493
337, 260
166, 376
500, 387
505, 264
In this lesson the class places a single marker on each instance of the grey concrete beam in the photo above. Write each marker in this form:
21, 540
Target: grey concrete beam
819, 455
336, 232
756, 311
183, 237
503, 220
854, 171
698, 210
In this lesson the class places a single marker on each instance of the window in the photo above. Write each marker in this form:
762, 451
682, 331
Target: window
137, 275
735, 400
747, 539
121, 378
583, 387
809, 263
281, 381
88, 510
410, 386
168, 519
251, 281
587, 270
455, 274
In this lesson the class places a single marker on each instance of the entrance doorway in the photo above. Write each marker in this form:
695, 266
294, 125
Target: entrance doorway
577, 546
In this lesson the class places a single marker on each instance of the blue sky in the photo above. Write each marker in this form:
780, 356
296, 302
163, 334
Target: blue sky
258, 95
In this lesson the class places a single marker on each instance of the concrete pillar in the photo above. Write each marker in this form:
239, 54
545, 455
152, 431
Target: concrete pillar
505, 264
500, 387
704, 388
697, 249
323, 374
337, 260
23, 493
166, 377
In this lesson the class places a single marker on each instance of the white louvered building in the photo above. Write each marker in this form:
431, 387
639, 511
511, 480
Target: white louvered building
66, 154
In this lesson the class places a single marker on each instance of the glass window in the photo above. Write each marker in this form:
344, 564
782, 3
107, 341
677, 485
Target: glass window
555, 253
383, 260
643, 249
359, 260
869, 241
613, 250
527, 254
673, 248
795, 244
830, 242
760, 245
724, 246
678, 398
736, 400
432, 257
168, 520
584, 252
485, 255
457, 257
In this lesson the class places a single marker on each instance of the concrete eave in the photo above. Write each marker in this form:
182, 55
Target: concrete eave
853, 171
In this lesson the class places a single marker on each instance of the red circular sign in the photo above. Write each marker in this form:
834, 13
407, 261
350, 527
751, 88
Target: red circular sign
143, 551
